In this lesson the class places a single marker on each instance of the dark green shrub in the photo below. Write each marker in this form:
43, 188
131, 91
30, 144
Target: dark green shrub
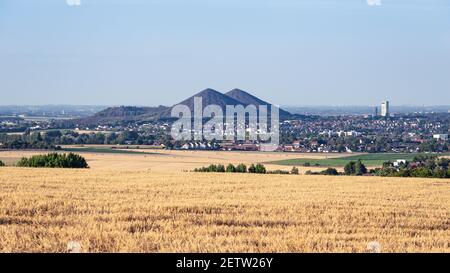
355, 168
231, 168
278, 172
259, 168
330, 171
212, 168
421, 172
439, 173
402, 173
2, 164
349, 168
54, 160
360, 168
241, 168
220, 168
423, 158
294, 170
387, 164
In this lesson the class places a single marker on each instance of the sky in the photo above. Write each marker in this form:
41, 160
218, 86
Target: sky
288, 52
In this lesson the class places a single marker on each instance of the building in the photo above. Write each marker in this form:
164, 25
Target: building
443, 137
385, 109
399, 163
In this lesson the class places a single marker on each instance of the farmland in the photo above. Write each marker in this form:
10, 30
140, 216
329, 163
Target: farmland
105, 158
370, 160
103, 150
136, 202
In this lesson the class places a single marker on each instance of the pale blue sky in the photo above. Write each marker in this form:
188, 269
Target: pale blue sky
137, 52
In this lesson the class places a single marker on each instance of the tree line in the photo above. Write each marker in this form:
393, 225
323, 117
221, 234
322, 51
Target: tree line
242, 168
52, 139
420, 166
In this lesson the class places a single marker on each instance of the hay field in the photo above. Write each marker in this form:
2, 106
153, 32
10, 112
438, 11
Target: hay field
171, 161
107, 210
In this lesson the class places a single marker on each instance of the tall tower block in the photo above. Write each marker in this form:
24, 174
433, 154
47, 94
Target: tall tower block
385, 109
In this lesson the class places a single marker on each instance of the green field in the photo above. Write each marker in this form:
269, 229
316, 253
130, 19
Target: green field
105, 151
370, 160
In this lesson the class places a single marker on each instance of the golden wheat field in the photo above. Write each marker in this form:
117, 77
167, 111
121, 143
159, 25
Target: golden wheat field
171, 160
107, 210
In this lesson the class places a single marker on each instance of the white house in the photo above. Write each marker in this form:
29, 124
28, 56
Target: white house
399, 162
443, 137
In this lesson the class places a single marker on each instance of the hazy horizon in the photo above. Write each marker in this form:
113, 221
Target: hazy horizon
169, 105
290, 53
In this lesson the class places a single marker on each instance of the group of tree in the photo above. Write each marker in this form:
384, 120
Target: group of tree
355, 168
351, 168
230, 168
54, 160
52, 139
293, 171
420, 166
433, 146
242, 168
2, 164
19, 144
329, 171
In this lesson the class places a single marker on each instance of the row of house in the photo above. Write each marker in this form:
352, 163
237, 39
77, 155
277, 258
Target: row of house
200, 146
331, 133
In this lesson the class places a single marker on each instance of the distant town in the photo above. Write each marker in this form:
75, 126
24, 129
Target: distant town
382, 131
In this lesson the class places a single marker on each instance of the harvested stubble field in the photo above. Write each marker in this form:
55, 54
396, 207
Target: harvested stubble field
41, 210
166, 160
